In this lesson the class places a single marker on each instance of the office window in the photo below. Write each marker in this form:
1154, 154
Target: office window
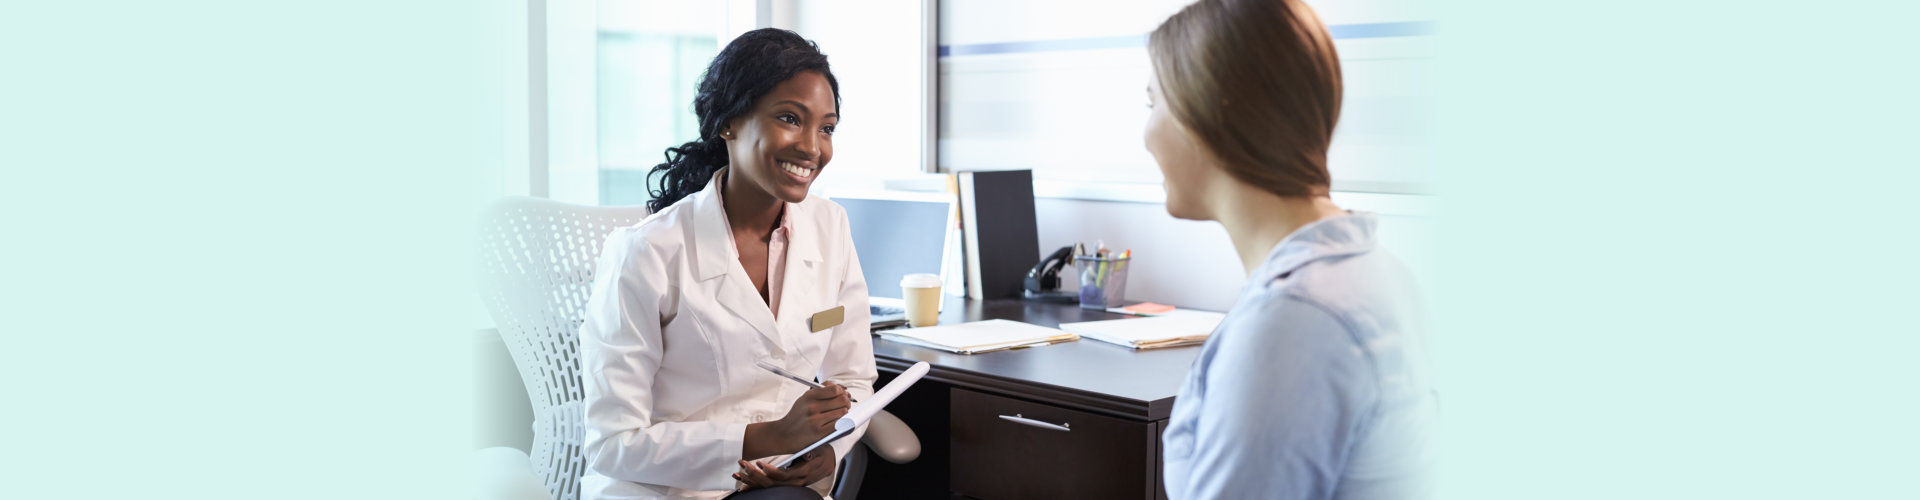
648, 62
620, 77
1061, 88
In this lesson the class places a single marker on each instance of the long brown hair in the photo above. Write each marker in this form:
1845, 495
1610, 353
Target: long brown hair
1258, 84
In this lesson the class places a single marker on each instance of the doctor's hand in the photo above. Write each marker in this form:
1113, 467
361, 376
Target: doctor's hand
812, 468
810, 419
812, 416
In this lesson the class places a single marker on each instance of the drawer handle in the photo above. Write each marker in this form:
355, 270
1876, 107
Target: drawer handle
1016, 418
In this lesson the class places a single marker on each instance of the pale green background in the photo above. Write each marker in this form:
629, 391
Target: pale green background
1678, 256
1679, 250
234, 251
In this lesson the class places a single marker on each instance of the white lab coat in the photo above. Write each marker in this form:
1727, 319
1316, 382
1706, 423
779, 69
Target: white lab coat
673, 328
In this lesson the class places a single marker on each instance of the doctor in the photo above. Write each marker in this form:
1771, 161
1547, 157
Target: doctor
736, 264
1314, 387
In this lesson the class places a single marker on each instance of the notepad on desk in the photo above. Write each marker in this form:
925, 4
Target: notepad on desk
979, 336
1174, 330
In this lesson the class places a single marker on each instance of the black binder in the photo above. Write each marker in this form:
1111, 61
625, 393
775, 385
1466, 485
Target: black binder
1002, 235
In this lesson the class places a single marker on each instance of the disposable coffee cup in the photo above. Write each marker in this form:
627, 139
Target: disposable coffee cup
923, 299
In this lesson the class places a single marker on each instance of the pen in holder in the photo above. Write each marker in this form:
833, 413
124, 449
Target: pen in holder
1103, 280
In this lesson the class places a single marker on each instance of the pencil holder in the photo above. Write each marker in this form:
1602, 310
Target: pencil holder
1103, 281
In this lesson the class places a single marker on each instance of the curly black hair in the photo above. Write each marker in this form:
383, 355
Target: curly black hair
749, 67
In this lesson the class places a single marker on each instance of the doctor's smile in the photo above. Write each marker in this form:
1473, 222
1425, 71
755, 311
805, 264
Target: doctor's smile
803, 173
785, 140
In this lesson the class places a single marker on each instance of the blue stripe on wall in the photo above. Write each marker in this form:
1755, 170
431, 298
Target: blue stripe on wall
1380, 30
1339, 31
979, 49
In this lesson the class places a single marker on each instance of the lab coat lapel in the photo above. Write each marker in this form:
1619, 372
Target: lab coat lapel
803, 265
731, 287
738, 295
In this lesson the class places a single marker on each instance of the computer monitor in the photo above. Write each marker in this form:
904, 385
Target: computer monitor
896, 234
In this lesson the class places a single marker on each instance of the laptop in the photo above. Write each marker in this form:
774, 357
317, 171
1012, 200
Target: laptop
895, 234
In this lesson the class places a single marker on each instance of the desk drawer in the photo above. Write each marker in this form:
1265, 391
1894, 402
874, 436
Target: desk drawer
1009, 448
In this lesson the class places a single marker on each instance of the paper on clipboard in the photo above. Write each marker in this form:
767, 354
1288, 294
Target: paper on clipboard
863, 412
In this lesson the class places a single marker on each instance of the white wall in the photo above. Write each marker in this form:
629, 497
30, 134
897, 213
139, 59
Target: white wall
1193, 264
1183, 263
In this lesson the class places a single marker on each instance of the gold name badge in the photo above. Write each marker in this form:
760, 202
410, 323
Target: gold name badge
827, 319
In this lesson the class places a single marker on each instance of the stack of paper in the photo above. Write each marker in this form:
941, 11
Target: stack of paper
979, 336
1186, 328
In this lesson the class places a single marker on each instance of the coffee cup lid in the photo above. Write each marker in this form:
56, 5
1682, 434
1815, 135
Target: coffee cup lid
920, 281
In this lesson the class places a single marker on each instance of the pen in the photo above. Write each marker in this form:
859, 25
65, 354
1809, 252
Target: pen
1106, 264
796, 378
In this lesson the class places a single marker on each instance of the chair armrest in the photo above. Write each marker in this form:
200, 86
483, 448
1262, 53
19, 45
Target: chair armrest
890, 438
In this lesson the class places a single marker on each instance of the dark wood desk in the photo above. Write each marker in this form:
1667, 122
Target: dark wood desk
1112, 400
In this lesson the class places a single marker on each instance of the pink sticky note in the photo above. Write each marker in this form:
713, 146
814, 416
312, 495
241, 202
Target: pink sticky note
1148, 308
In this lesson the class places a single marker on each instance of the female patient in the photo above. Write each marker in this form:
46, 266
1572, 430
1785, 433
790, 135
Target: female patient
1313, 386
732, 268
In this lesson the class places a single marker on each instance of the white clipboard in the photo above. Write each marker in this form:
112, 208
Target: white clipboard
816, 444
863, 412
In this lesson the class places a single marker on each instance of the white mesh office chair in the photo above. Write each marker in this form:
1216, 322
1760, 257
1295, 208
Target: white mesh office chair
536, 265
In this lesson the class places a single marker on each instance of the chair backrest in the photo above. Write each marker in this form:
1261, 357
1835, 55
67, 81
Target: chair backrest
536, 268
